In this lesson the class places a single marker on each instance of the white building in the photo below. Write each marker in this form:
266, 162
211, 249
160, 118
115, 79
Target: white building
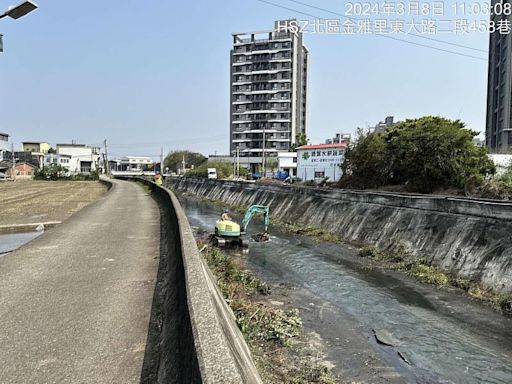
133, 164
287, 162
316, 162
82, 159
62, 160
502, 162
4, 145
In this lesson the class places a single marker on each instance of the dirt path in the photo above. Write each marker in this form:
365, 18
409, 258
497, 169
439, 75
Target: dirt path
25, 202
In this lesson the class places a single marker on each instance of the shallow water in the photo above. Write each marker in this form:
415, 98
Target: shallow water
10, 242
445, 340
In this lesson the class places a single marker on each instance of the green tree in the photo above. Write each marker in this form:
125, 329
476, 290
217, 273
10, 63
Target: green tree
366, 164
423, 154
174, 160
271, 164
300, 140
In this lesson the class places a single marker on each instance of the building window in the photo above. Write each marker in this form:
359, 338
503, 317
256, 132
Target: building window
319, 174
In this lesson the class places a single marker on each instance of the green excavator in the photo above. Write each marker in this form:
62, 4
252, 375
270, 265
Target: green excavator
228, 232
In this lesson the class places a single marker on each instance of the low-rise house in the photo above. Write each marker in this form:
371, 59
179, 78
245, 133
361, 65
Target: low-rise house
134, 164
82, 158
35, 146
4, 146
24, 170
287, 162
62, 160
317, 162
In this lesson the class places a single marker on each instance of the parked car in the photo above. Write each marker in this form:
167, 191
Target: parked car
212, 173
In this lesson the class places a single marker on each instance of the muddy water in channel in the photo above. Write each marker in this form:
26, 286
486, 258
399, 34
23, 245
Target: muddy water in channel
442, 336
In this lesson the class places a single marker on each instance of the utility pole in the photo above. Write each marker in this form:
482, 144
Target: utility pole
183, 163
234, 165
264, 165
238, 162
13, 175
107, 165
162, 160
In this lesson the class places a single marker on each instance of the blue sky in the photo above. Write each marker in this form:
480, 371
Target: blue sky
142, 74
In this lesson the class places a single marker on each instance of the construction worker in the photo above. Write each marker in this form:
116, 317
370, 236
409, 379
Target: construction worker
225, 215
158, 179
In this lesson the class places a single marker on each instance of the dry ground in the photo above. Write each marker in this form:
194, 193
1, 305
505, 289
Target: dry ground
30, 201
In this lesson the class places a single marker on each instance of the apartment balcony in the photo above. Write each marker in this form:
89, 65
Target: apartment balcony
280, 80
260, 150
265, 91
266, 71
268, 51
250, 131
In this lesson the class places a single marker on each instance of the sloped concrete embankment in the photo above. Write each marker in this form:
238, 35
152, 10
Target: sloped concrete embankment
193, 336
467, 237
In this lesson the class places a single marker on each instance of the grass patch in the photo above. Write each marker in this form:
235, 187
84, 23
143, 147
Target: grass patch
400, 260
311, 374
268, 330
257, 321
309, 230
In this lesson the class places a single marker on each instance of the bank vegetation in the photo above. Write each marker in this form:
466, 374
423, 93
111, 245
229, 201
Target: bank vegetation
269, 331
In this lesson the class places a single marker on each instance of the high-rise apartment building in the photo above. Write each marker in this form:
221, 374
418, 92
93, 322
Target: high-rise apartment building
498, 132
268, 92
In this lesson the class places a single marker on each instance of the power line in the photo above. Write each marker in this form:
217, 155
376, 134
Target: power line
381, 35
409, 34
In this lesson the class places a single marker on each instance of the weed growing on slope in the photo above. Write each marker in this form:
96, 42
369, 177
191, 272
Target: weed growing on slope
311, 374
268, 330
400, 260
257, 321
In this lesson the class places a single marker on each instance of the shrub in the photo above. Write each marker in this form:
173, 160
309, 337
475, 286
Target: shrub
423, 154
58, 172
50, 172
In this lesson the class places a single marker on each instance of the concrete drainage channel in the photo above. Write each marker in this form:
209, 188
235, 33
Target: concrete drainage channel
193, 336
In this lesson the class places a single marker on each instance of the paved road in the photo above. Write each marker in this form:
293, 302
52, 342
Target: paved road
75, 303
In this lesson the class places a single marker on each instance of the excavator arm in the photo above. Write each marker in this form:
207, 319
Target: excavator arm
250, 213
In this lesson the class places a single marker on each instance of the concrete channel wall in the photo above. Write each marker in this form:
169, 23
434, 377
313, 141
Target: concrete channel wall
467, 237
193, 336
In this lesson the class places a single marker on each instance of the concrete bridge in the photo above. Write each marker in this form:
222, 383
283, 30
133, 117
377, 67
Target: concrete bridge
117, 294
